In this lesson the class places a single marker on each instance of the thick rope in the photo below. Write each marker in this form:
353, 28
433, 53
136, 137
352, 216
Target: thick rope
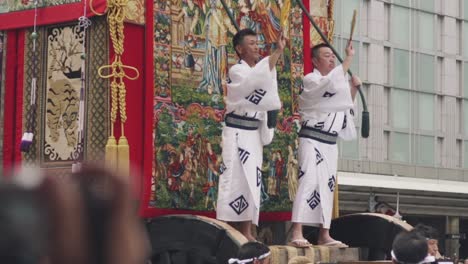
117, 155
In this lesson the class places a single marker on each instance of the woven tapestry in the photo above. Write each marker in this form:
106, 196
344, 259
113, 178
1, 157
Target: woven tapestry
59, 50
135, 12
192, 54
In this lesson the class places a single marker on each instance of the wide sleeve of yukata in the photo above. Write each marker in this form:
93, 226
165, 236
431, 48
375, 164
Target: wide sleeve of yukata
349, 128
330, 93
253, 89
266, 134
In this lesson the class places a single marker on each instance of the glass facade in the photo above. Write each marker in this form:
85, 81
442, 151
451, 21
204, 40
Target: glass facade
425, 81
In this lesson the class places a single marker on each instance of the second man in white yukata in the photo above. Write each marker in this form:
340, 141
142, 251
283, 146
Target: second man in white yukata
326, 109
252, 92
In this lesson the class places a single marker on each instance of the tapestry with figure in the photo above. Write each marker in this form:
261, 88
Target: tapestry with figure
192, 54
59, 51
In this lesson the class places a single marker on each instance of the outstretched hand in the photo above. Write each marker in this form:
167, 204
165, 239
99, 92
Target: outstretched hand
349, 49
356, 81
281, 43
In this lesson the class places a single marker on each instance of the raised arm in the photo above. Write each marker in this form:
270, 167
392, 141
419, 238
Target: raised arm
277, 53
354, 83
349, 57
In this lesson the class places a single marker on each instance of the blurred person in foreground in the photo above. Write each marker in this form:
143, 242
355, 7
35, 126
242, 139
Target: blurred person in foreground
22, 221
410, 248
93, 219
252, 253
432, 235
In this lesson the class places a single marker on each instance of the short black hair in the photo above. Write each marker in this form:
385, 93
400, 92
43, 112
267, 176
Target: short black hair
252, 250
409, 247
240, 35
314, 51
426, 231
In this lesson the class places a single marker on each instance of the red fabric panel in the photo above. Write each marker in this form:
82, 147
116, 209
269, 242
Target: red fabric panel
306, 38
134, 56
264, 216
49, 15
13, 110
145, 183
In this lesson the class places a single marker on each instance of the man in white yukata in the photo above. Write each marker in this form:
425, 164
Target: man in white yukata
252, 96
326, 108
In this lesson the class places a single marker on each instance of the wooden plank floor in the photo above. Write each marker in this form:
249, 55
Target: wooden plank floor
283, 254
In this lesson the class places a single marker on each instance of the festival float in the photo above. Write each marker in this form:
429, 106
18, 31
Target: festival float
140, 84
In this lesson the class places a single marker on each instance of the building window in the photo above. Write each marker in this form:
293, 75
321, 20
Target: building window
400, 108
401, 69
465, 39
400, 147
402, 2
350, 149
386, 22
458, 77
426, 112
400, 26
465, 117
347, 15
386, 78
425, 150
426, 73
439, 151
439, 113
426, 31
465, 163
465, 79
438, 32
465, 8
426, 5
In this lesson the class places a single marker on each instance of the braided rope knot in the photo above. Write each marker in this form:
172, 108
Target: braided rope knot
84, 22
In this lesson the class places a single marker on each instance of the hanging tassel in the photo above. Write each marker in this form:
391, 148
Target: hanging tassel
111, 152
26, 141
123, 156
76, 167
117, 156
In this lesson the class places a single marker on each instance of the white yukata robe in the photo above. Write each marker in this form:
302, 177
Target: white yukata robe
251, 92
326, 105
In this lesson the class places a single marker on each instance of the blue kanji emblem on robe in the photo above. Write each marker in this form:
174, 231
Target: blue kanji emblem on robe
332, 183
314, 200
243, 155
318, 156
239, 205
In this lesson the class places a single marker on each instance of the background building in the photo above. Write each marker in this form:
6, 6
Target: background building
413, 60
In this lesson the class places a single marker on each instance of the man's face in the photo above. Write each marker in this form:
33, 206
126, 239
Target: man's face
325, 62
433, 247
248, 48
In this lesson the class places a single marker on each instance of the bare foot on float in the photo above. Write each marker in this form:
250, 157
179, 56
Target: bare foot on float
297, 238
299, 243
326, 240
333, 243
